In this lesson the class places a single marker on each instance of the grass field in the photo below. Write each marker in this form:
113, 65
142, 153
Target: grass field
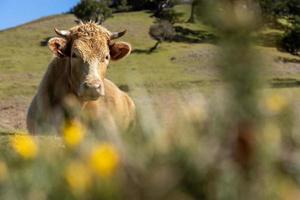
175, 66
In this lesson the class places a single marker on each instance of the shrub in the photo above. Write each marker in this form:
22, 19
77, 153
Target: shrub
162, 31
290, 42
92, 10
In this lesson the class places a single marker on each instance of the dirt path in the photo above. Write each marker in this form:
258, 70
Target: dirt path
13, 114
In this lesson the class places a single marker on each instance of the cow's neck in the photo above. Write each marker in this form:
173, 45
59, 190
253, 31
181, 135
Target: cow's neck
57, 83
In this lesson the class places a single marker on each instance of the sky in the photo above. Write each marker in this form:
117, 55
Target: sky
17, 12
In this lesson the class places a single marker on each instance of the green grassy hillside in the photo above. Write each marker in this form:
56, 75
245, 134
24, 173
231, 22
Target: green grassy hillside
175, 65
23, 60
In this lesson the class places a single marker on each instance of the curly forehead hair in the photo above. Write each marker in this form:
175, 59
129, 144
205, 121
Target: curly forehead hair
91, 40
90, 29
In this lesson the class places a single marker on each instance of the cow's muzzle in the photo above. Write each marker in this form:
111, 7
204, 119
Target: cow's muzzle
91, 90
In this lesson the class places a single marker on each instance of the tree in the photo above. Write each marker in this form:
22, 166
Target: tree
139, 4
120, 2
163, 30
120, 5
96, 10
290, 42
294, 7
164, 11
161, 5
290, 10
166, 16
193, 11
153, 5
272, 9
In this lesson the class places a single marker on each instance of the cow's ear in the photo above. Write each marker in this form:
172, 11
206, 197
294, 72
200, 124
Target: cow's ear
119, 50
57, 45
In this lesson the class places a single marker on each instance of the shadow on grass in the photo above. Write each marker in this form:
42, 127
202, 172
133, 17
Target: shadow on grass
269, 39
287, 60
184, 35
274, 39
285, 83
193, 36
7, 133
140, 51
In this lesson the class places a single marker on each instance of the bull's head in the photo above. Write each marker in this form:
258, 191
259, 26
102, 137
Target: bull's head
88, 47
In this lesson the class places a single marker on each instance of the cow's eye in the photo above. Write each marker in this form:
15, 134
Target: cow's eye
107, 57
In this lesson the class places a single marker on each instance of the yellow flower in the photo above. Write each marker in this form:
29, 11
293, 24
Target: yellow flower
73, 134
24, 145
104, 160
77, 176
276, 103
3, 171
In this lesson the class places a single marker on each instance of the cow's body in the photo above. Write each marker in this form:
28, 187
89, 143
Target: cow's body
51, 105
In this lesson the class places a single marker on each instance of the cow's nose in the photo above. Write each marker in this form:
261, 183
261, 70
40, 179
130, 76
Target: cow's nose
92, 85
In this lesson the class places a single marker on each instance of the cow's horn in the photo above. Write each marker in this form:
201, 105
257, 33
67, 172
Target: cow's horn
62, 33
116, 35
79, 21
99, 21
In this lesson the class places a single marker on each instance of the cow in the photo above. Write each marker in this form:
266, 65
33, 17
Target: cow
76, 76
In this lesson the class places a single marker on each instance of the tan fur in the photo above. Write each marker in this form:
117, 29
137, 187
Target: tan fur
91, 40
56, 94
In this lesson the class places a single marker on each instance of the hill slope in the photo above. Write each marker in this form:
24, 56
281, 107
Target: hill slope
23, 60
175, 66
